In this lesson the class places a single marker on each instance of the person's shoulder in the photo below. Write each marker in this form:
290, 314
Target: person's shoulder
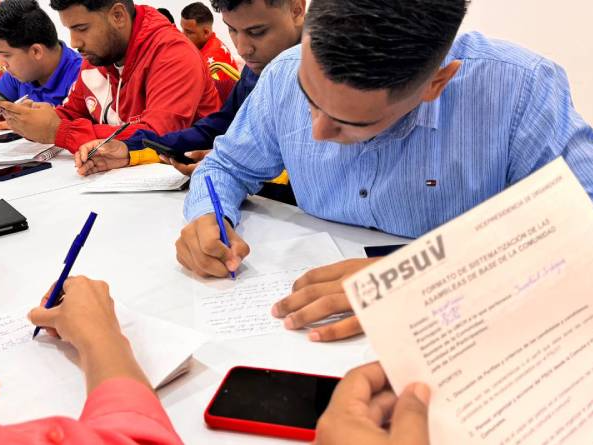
286, 63
73, 58
474, 46
8, 78
290, 56
70, 53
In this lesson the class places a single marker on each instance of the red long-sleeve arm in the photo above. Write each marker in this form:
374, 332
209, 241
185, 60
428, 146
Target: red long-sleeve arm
118, 412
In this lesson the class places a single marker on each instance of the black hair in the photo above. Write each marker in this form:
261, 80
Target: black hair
229, 5
23, 23
382, 44
167, 14
93, 5
199, 12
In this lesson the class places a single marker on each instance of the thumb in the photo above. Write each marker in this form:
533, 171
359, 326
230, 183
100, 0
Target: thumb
9, 106
409, 424
43, 317
84, 149
34, 105
165, 159
239, 250
77, 159
197, 155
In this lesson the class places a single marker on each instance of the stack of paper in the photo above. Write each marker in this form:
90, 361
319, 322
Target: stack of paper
41, 377
493, 310
23, 150
141, 178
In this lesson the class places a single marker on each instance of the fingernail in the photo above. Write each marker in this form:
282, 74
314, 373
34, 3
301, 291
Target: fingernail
275, 311
314, 336
289, 322
422, 392
187, 153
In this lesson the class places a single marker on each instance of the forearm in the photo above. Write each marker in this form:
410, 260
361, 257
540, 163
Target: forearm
193, 138
231, 190
110, 357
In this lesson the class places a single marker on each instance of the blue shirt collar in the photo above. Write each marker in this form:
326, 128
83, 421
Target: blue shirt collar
425, 115
56, 77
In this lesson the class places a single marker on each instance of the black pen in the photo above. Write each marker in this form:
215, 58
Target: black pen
115, 133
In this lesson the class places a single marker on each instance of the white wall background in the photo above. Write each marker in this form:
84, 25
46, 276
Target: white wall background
559, 30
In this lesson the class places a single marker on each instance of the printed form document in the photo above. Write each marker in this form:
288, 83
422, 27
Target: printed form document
494, 310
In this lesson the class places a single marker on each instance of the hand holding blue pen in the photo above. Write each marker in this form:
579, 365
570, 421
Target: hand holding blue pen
69, 262
219, 215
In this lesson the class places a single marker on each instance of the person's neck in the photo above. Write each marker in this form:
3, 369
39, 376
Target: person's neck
51, 63
206, 41
299, 36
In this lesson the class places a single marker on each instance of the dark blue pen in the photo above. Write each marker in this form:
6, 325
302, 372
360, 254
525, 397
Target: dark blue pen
69, 262
219, 214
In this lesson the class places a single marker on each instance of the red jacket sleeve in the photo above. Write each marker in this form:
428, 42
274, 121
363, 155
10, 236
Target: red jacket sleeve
175, 88
118, 412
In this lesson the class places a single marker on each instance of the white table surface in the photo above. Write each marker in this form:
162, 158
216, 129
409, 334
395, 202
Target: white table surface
132, 248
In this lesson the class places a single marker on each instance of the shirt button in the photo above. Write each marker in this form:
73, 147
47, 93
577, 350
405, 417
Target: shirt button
55, 436
363, 193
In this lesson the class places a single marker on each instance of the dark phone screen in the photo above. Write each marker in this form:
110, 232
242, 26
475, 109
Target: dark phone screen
377, 251
280, 398
8, 137
15, 171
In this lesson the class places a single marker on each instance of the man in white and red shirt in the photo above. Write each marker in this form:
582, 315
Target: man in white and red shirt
138, 69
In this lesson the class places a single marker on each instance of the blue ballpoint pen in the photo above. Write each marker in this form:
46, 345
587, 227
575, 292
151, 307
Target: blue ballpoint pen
219, 214
69, 262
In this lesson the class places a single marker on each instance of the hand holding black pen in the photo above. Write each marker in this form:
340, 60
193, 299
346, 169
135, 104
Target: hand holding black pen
109, 139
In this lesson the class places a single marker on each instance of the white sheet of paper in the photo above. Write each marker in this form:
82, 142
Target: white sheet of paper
41, 377
140, 178
21, 149
240, 308
493, 310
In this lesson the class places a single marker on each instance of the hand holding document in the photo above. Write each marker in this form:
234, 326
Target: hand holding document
493, 310
141, 178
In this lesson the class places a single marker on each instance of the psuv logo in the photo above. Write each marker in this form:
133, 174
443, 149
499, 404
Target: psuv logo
372, 286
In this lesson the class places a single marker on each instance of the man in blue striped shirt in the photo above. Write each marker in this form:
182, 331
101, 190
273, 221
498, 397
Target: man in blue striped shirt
383, 121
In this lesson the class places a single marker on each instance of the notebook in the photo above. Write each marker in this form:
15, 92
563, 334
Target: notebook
41, 377
25, 152
141, 178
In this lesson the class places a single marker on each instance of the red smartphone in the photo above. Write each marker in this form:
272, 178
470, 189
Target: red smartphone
270, 402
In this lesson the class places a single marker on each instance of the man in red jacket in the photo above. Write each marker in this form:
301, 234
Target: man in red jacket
196, 24
138, 68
